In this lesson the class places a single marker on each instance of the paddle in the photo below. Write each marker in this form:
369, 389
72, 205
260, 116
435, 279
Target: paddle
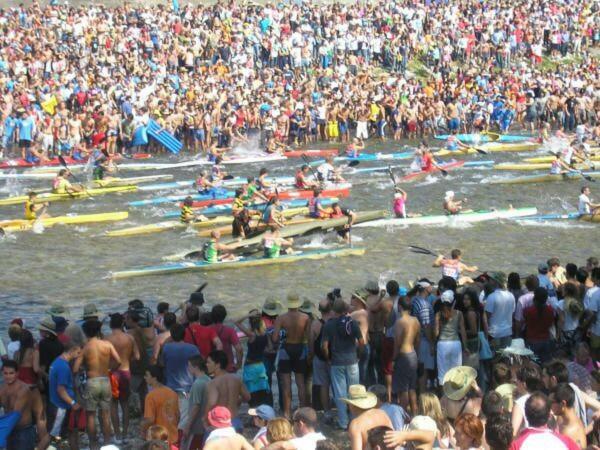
64, 164
198, 291
228, 177
269, 203
578, 172
392, 176
422, 250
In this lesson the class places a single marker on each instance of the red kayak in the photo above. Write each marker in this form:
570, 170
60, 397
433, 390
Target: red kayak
284, 195
22, 163
416, 175
311, 153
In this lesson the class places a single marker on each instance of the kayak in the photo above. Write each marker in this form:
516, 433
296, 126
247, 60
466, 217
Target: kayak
311, 153
595, 218
474, 138
241, 262
491, 147
107, 182
234, 182
286, 232
129, 166
23, 163
533, 166
255, 226
178, 225
549, 159
354, 171
226, 209
24, 225
423, 173
369, 157
49, 197
449, 220
570, 176
214, 197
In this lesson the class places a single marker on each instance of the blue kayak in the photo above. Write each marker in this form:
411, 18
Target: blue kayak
355, 171
369, 157
475, 138
214, 194
234, 182
544, 217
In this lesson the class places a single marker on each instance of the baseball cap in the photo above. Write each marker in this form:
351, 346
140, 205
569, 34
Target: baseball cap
264, 412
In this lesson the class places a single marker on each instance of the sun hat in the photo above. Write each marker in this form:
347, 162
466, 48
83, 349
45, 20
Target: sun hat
219, 417
447, 297
458, 381
498, 277
58, 310
48, 325
517, 347
309, 307
272, 307
265, 412
359, 397
361, 295
423, 423
372, 286
90, 311
293, 301
506, 391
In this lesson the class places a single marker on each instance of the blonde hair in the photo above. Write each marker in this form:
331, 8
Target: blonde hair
429, 405
157, 433
279, 429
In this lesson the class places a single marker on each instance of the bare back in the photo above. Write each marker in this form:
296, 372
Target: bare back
376, 319
125, 346
225, 390
368, 420
96, 356
362, 318
406, 333
295, 324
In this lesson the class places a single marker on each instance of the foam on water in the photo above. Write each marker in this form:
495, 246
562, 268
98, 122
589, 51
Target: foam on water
562, 224
429, 180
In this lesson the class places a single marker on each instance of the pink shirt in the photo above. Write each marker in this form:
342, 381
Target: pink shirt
229, 339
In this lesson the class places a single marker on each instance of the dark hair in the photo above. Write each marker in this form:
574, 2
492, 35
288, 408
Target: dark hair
198, 362
219, 357
455, 253
380, 391
10, 364
155, 372
306, 415
206, 319
26, 341
537, 409
70, 345
564, 392
91, 328
513, 282
218, 313
192, 313
392, 287
558, 370
540, 297
447, 284
492, 404
177, 332
498, 432
571, 270
169, 319
553, 262
116, 321
136, 304
375, 437
162, 307
532, 282
582, 275
530, 375
405, 303
326, 444
501, 374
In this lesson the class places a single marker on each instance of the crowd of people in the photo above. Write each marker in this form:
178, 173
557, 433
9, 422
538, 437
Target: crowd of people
490, 363
80, 78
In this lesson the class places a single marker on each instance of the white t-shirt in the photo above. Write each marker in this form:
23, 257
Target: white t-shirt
501, 305
520, 403
220, 433
584, 204
571, 321
308, 441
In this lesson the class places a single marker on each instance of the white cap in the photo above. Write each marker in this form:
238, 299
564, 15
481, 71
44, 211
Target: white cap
447, 297
449, 194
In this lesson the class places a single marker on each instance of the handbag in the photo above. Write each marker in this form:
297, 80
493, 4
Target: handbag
485, 351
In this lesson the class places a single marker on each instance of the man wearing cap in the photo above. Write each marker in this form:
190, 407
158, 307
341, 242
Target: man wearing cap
291, 331
49, 348
499, 307
260, 418
544, 279
223, 436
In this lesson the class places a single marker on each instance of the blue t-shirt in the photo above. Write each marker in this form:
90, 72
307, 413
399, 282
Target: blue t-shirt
60, 375
175, 358
26, 129
396, 414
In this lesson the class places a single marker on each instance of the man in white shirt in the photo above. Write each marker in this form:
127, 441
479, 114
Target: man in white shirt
499, 307
304, 421
585, 202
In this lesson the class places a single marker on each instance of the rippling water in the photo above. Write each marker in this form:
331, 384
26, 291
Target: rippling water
70, 265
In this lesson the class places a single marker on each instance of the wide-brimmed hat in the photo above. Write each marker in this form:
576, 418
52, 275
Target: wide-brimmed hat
423, 423
309, 307
272, 307
293, 301
90, 312
48, 325
372, 286
517, 347
498, 277
360, 397
361, 295
506, 391
219, 417
58, 311
458, 381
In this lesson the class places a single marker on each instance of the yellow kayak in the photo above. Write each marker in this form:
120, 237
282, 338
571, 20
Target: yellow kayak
491, 147
24, 225
178, 225
532, 166
254, 225
50, 197
110, 182
591, 218
549, 159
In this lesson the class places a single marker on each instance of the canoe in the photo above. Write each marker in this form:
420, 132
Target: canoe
23, 163
252, 159
286, 232
130, 181
178, 225
595, 218
549, 159
571, 176
219, 196
449, 220
422, 174
492, 147
311, 153
533, 166
130, 166
234, 182
24, 225
49, 197
226, 209
255, 226
355, 171
369, 157
242, 262
485, 137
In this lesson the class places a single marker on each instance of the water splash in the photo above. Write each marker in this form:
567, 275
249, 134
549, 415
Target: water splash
38, 227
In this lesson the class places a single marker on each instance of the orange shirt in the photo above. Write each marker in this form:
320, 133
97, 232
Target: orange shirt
162, 408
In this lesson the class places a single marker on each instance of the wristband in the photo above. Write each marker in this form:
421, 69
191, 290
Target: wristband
73, 402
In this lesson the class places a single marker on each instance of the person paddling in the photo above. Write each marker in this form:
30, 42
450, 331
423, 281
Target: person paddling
399, 205
315, 208
187, 213
213, 247
33, 210
62, 185
453, 267
337, 212
273, 242
451, 205
301, 180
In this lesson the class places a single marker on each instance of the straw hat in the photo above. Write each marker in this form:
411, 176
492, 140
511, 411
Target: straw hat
458, 381
272, 307
309, 307
359, 397
506, 391
423, 423
361, 295
293, 301
517, 347
48, 325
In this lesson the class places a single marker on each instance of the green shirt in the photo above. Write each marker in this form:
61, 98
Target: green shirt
197, 397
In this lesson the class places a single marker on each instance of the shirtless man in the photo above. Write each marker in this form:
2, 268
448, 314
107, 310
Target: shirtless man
127, 349
358, 305
16, 396
362, 407
97, 356
563, 401
225, 389
407, 330
292, 329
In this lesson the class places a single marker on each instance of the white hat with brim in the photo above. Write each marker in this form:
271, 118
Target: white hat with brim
517, 347
458, 382
293, 301
423, 423
360, 397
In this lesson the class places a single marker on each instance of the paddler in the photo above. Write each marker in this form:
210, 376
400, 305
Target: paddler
354, 148
187, 212
451, 205
252, 192
61, 184
202, 184
213, 247
454, 144
559, 166
35, 211
263, 184
337, 212
274, 146
103, 166
399, 206
271, 215
586, 207
240, 227
217, 173
301, 181
315, 208
327, 173
428, 162
273, 242
453, 266
238, 202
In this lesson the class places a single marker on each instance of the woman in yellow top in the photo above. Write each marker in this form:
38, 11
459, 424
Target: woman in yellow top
61, 184
35, 210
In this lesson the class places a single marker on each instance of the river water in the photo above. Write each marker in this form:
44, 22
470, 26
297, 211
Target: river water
70, 265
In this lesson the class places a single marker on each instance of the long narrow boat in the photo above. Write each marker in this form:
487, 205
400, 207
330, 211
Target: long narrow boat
256, 226
234, 182
226, 209
485, 137
422, 174
595, 218
533, 166
369, 157
130, 166
356, 171
109, 182
24, 225
530, 179
253, 261
23, 163
311, 153
49, 197
491, 147
549, 159
467, 217
168, 225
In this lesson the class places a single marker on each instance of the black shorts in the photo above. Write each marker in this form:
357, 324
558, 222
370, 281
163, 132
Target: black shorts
24, 143
292, 358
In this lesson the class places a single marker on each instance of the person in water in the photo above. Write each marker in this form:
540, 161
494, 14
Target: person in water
336, 212
273, 242
35, 210
354, 148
